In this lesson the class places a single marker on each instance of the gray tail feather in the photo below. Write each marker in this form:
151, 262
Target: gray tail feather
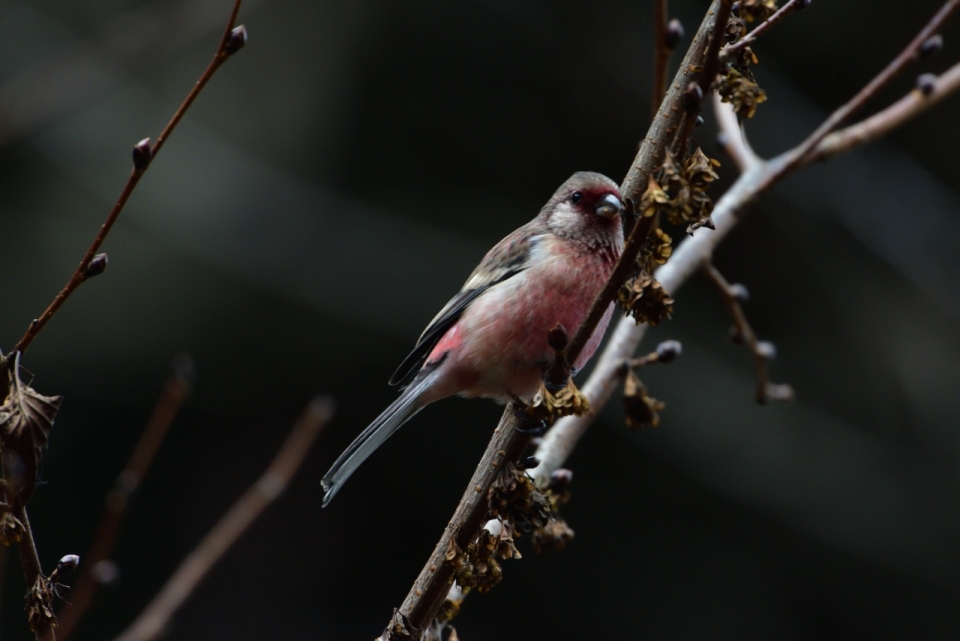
398, 413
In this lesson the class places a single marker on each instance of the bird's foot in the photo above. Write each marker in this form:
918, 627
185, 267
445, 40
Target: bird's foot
533, 426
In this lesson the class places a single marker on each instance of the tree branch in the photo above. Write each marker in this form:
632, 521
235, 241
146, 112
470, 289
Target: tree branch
883, 122
143, 154
174, 394
762, 28
661, 56
152, 621
434, 582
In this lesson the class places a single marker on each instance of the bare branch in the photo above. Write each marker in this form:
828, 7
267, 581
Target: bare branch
910, 54
743, 333
151, 622
883, 122
762, 28
174, 394
233, 39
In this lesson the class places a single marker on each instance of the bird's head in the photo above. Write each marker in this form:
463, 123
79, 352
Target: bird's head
587, 206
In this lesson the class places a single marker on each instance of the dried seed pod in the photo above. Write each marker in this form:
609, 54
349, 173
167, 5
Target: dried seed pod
641, 409
646, 300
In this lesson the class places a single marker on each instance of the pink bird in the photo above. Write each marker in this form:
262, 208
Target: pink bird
491, 339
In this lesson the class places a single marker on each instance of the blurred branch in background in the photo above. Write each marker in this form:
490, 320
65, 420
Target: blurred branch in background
93, 264
155, 617
98, 567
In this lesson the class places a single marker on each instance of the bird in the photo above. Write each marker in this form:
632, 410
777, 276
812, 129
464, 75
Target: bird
490, 340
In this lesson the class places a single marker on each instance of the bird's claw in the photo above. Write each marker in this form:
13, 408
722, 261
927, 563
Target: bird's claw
528, 425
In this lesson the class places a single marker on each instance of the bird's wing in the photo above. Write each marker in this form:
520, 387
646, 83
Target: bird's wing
507, 259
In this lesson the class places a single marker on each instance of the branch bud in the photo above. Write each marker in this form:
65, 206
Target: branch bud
96, 266
528, 463
766, 350
560, 479
926, 83
739, 292
931, 45
668, 351
142, 154
692, 97
67, 565
674, 34
735, 9
698, 122
236, 41
803, 4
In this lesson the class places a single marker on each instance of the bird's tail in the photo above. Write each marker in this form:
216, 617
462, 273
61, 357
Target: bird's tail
399, 412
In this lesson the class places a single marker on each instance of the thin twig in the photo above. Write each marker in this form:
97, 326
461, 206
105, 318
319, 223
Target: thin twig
760, 29
909, 54
32, 570
228, 46
155, 617
661, 56
743, 332
174, 394
883, 122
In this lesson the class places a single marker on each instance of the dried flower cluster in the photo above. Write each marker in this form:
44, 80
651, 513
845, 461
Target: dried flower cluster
759, 10
514, 497
39, 607
646, 300
555, 534
11, 529
641, 409
550, 406
477, 567
736, 84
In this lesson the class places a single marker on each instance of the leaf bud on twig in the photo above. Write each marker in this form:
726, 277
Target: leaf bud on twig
142, 154
926, 83
674, 34
767, 350
96, 266
560, 479
236, 41
66, 565
739, 292
692, 97
931, 45
668, 351
803, 4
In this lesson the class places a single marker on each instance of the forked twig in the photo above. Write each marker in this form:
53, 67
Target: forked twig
763, 27
155, 617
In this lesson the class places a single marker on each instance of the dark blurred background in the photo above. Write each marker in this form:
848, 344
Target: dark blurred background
332, 188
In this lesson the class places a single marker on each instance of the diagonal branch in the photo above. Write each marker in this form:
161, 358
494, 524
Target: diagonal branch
232, 41
174, 394
155, 617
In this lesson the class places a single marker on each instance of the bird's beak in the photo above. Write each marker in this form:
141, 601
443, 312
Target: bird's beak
609, 207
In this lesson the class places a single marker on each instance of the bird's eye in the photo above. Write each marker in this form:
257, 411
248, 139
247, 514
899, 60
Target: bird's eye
576, 197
